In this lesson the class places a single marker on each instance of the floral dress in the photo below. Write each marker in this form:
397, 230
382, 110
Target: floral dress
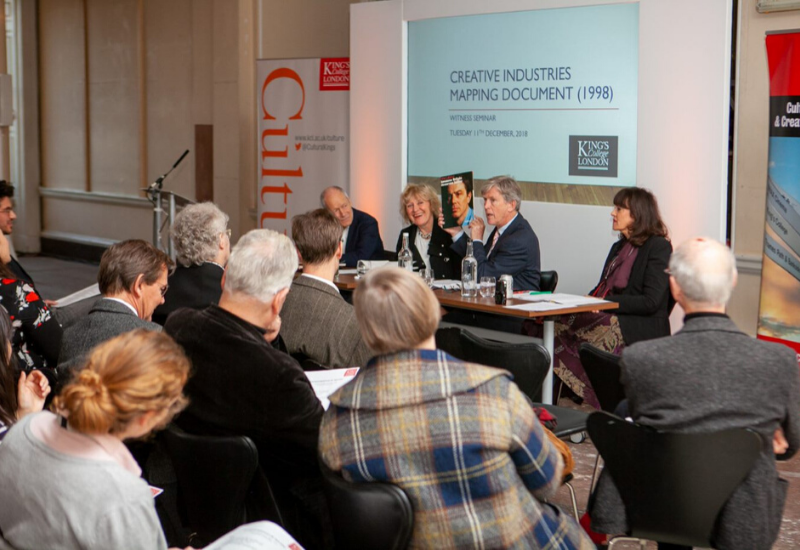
37, 334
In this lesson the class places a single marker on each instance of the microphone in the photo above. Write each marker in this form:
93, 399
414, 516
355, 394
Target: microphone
160, 180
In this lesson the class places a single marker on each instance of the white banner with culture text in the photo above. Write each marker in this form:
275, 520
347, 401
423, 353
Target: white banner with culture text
303, 128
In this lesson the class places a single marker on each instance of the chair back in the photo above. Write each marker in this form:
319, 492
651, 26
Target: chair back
603, 371
214, 475
367, 516
548, 281
673, 485
390, 255
528, 362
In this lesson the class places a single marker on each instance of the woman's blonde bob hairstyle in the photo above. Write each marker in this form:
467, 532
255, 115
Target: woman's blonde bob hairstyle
419, 191
135, 373
395, 310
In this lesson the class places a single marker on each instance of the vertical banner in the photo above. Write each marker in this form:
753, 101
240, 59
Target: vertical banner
779, 315
303, 127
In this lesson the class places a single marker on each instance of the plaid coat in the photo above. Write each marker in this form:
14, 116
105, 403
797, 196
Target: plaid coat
464, 444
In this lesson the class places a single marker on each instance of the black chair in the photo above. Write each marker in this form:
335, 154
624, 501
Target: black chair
548, 281
215, 476
367, 515
603, 371
528, 363
390, 255
673, 485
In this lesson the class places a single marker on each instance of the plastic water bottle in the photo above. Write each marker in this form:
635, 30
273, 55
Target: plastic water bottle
469, 274
405, 260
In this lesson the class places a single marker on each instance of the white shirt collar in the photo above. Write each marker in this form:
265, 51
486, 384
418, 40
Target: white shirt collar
500, 230
326, 281
133, 309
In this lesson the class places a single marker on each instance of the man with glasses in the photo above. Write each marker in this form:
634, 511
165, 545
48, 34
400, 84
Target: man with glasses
202, 247
133, 281
7, 217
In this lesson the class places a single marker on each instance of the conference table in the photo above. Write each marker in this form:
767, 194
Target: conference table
453, 299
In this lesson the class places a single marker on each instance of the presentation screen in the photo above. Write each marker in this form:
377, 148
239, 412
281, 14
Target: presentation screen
546, 96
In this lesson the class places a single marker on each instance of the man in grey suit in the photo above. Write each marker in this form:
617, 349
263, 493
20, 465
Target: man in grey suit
708, 377
317, 322
133, 280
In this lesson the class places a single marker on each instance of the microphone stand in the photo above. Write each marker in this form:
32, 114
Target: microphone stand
154, 195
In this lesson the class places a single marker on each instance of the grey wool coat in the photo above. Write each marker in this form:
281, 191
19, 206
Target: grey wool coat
318, 323
107, 319
708, 377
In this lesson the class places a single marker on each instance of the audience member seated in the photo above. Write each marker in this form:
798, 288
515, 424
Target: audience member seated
513, 246
316, 321
74, 484
361, 236
429, 243
242, 385
460, 439
708, 377
202, 245
37, 334
635, 277
65, 315
7, 218
133, 280
18, 396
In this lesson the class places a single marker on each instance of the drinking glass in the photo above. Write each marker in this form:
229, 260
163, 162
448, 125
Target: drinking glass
427, 276
487, 286
361, 268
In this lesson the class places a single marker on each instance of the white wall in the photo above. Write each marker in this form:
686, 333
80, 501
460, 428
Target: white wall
684, 88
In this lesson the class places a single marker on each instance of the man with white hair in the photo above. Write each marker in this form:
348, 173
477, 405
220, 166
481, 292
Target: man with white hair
710, 376
242, 385
360, 233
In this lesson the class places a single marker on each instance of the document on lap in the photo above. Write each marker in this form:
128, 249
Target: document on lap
325, 382
88, 292
260, 535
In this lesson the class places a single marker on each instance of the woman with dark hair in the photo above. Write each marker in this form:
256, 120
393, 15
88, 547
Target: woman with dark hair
36, 338
635, 277
22, 396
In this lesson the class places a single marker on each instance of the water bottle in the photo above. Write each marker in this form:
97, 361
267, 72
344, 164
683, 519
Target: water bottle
469, 274
405, 260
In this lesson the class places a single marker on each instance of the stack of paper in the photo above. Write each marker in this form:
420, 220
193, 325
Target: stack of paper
447, 284
549, 302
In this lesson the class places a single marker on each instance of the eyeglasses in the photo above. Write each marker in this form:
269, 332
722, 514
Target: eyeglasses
164, 290
228, 232
7, 211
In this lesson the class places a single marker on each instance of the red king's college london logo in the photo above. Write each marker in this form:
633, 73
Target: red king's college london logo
334, 74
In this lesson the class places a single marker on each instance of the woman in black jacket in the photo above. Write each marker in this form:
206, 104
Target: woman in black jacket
429, 243
634, 276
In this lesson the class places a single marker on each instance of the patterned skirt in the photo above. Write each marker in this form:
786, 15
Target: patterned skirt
598, 329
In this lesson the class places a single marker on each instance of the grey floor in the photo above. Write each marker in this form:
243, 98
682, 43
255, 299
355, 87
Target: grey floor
56, 278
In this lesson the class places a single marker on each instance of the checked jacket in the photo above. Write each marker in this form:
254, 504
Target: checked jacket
464, 444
